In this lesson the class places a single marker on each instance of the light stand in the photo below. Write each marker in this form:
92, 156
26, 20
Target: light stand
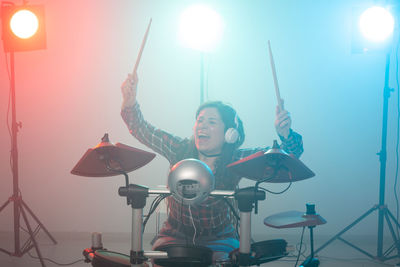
19, 205
383, 211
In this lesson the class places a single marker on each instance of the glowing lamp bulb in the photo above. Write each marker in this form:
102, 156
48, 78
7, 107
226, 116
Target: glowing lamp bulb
376, 24
24, 24
200, 28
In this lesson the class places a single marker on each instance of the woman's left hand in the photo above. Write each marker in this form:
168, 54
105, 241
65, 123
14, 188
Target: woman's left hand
283, 122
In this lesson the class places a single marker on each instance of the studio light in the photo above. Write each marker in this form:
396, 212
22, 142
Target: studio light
372, 29
200, 28
23, 27
24, 24
376, 24
22, 30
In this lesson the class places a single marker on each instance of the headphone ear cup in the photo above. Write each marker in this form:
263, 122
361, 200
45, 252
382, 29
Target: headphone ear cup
231, 136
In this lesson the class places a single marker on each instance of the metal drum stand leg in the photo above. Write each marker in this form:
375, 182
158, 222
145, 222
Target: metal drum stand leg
246, 198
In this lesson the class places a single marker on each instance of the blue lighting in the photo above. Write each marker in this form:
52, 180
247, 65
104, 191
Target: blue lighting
376, 24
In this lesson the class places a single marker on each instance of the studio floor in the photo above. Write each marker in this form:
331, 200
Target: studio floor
70, 246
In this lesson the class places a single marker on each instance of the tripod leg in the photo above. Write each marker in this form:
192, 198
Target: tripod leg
7, 252
357, 248
2, 207
32, 237
38, 222
393, 218
5, 204
346, 229
395, 238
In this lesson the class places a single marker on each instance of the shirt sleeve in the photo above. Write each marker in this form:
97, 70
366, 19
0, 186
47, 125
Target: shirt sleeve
292, 145
158, 140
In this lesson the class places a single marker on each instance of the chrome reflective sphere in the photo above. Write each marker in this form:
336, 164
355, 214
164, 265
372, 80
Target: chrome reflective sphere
191, 181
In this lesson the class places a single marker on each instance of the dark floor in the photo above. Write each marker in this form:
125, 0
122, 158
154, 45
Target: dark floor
70, 246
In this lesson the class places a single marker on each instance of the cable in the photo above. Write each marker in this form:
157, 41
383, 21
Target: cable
236, 222
357, 260
52, 261
8, 106
153, 207
233, 210
9, 95
397, 131
342, 259
183, 225
298, 248
194, 226
3, 4
276, 193
301, 243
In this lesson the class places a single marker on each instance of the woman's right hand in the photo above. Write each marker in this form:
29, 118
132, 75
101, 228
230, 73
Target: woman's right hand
128, 89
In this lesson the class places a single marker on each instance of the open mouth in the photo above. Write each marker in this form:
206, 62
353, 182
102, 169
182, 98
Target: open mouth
202, 136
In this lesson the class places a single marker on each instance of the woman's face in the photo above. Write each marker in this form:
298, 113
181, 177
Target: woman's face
209, 131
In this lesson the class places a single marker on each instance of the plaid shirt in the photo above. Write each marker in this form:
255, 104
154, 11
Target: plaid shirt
212, 215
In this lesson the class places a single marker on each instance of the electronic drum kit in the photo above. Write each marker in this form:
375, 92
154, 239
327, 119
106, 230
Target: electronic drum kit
272, 166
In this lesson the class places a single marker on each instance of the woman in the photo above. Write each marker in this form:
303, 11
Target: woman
217, 135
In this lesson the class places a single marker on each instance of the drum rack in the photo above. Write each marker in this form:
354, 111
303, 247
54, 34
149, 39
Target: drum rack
275, 165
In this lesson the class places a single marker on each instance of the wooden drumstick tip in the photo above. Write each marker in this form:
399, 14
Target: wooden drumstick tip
274, 76
142, 47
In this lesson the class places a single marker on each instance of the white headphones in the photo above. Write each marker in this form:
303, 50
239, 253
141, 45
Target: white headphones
232, 134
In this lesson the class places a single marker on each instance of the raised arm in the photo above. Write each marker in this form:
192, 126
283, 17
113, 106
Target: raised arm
158, 140
292, 142
129, 89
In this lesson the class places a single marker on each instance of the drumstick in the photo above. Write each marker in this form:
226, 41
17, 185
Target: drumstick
278, 96
141, 48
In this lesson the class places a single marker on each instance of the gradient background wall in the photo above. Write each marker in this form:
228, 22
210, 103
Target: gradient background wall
68, 96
